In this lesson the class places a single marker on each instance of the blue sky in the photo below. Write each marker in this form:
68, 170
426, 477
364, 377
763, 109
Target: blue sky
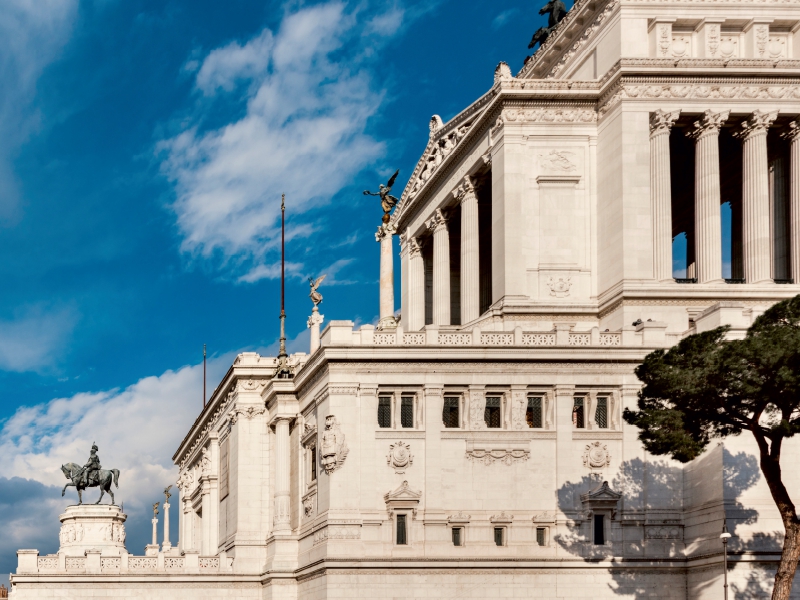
145, 147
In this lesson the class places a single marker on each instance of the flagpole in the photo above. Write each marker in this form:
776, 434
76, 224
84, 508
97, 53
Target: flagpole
204, 375
283, 367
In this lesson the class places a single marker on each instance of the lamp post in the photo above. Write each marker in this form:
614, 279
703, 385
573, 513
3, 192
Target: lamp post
724, 537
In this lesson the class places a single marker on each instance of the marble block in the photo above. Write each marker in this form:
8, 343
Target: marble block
92, 527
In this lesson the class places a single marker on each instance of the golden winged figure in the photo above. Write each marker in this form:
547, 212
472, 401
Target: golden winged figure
388, 202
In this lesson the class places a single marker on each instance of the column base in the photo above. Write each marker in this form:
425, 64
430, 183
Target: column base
151, 550
282, 552
711, 281
387, 323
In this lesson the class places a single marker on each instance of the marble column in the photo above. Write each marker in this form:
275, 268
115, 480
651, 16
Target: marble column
314, 321
205, 546
155, 532
793, 135
707, 198
661, 122
187, 526
282, 451
166, 545
384, 236
441, 268
416, 285
755, 196
470, 257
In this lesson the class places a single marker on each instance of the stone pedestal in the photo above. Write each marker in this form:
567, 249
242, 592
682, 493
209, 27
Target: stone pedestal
314, 321
92, 527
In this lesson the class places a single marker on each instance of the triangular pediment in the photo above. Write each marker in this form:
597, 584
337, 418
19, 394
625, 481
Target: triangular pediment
403, 493
601, 493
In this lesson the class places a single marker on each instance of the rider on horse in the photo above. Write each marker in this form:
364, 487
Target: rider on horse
91, 467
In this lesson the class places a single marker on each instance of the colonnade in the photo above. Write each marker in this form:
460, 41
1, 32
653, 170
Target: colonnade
757, 236
438, 225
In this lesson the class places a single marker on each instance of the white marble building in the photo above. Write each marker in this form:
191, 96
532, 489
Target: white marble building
476, 448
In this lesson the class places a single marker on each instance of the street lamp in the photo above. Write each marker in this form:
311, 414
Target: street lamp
724, 537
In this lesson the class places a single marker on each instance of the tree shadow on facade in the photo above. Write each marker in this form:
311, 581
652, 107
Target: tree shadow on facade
648, 520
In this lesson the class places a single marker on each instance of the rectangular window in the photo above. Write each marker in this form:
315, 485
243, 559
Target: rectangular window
499, 535
385, 412
407, 411
457, 536
599, 530
314, 463
534, 413
402, 539
601, 414
492, 412
450, 416
541, 536
577, 412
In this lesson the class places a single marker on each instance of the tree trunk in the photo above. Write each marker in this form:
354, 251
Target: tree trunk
771, 468
788, 565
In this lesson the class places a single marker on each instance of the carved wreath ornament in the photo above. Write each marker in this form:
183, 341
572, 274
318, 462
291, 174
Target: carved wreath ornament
596, 456
400, 457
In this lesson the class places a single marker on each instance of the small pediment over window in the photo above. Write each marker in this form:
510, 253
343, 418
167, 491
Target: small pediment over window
601, 498
402, 498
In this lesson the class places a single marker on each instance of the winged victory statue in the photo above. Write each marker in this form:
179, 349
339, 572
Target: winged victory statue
315, 296
388, 202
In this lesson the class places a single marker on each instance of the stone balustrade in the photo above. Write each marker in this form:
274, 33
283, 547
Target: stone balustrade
651, 334
189, 562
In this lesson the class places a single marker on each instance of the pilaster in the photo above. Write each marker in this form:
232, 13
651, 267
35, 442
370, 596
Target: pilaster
416, 286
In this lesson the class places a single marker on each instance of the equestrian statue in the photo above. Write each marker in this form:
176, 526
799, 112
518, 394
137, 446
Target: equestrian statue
90, 475
557, 11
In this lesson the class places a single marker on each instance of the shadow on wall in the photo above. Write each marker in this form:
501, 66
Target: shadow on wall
647, 522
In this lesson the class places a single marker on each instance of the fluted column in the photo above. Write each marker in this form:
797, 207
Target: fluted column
441, 268
187, 525
384, 236
793, 135
281, 521
166, 545
470, 256
707, 199
416, 285
661, 192
755, 196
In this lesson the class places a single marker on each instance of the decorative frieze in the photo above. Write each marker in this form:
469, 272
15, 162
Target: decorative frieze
507, 456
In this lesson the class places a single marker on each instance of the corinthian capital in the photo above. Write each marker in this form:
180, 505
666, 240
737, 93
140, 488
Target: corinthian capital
414, 247
464, 189
758, 122
709, 123
793, 132
386, 229
437, 221
661, 121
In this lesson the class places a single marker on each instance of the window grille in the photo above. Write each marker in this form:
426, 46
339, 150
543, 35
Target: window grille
541, 536
314, 464
577, 412
450, 416
407, 411
402, 539
534, 413
601, 414
599, 530
457, 536
385, 412
492, 412
498, 536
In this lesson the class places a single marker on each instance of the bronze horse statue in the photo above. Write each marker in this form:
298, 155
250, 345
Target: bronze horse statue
558, 11
103, 479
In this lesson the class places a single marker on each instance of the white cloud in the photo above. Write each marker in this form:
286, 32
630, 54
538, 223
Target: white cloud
35, 339
503, 18
32, 33
309, 98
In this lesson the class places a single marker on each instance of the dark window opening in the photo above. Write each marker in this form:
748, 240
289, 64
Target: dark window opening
601, 413
314, 464
483, 189
457, 536
427, 265
385, 412
402, 539
533, 415
577, 413
498, 536
599, 530
407, 411
450, 416
492, 413
541, 536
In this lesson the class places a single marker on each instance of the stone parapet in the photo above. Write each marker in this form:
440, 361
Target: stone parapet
95, 562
